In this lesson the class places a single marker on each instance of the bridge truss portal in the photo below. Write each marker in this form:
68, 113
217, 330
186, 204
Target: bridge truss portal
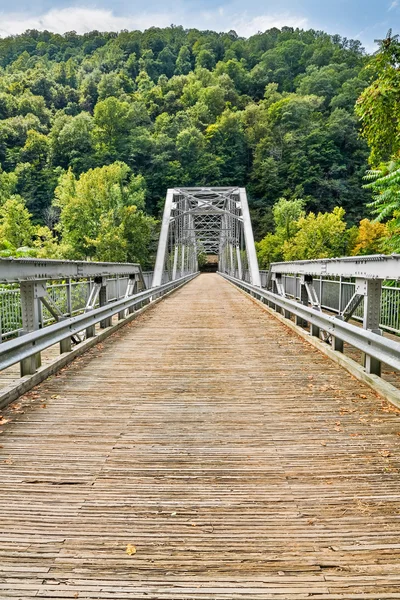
211, 221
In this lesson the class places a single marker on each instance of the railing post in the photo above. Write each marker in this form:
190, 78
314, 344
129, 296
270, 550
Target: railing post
340, 294
372, 313
314, 330
134, 282
103, 301
30, 322
69, 296
303, 300
337, 343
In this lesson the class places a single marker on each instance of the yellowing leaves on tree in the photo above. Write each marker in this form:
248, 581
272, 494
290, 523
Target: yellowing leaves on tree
371, 238
318, 236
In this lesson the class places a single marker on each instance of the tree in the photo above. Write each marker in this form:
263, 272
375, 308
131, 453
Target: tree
16, 227
371, 238
101, 212
286, 215
385, 186
378, 106
111, 120
72, 143
318, 236
183, 63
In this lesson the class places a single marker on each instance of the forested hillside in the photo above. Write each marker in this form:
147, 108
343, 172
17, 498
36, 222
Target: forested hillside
95, 127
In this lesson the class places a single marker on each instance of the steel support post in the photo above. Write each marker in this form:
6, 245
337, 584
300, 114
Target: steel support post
103, 301
304, 300
239, 262
182, 260
249, 239
232, 270
337, 344
133, 289
175, 265
69, 297
66, 345
372, 313
162, 244
30, 322
314, 330
91, 331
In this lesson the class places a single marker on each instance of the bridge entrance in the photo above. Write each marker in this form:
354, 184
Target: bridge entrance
210, 221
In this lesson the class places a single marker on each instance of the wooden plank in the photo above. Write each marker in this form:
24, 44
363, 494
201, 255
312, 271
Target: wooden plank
236, 458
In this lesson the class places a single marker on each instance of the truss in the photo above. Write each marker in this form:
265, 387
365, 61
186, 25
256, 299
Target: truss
209, 220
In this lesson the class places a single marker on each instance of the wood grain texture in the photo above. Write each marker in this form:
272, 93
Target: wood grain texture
237, 459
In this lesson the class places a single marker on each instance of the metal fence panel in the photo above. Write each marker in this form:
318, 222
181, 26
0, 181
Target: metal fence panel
335, 293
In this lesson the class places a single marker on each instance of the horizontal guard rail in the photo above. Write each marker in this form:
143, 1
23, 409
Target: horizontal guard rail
25, 269
31, 343
372, 344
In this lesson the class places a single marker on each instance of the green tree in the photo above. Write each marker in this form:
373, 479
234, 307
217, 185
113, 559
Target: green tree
101, 212
378, 106
16, 227
112, 125
318, 236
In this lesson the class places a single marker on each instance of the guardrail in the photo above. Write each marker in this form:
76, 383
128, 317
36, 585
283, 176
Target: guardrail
334, 294
29, 346
70, 296
376, 348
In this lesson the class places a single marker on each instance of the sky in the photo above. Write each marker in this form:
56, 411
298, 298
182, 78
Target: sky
365, 20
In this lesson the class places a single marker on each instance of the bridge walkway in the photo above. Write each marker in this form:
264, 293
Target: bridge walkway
234, 458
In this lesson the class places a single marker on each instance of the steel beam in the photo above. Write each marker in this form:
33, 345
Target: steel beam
163, 241
377, 266
14, 270
248, 234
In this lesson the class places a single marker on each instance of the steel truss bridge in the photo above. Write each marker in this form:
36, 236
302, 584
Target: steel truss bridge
213, 221
171, 435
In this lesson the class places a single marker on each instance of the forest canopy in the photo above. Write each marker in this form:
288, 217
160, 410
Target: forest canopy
134, 113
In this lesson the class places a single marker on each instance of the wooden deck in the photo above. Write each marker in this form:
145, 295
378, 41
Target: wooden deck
235, 458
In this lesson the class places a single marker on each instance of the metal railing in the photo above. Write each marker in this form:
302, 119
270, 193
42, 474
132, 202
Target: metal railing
334, 294
31, 344
376, 347
70, 296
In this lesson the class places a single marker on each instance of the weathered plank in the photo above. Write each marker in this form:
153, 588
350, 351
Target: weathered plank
237, 459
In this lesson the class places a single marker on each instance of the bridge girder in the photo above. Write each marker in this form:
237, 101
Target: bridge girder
213, 220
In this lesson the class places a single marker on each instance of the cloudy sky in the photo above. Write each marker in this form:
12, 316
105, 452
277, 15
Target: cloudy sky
362, 19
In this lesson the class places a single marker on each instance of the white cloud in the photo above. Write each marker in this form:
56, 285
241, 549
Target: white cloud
83, 20
80, 20
246, 26
394, 5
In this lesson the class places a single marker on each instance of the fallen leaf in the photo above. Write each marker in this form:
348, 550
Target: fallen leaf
3, 420
44, 405
130, 549
363, 396
385, 453
55, 396
173, 514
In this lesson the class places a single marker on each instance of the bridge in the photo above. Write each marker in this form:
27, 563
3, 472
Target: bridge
176, 435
